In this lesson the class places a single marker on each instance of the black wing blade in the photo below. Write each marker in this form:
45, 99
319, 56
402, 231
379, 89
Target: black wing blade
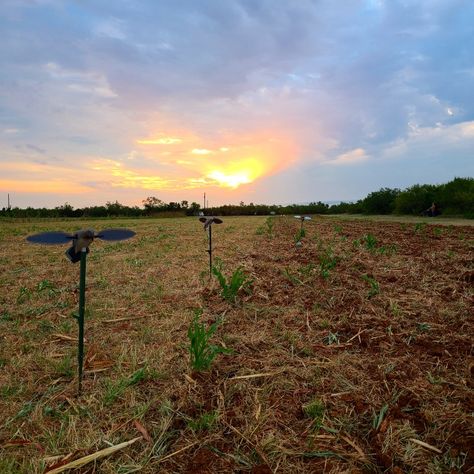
50, 238
115, 234
216, 220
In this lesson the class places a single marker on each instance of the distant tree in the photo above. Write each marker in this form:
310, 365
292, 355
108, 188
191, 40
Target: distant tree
66, 210
152, 204
457, 197
193, 209
115, 208
416, 199
381, 201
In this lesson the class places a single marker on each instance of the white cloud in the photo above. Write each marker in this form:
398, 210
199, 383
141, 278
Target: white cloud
111, 28
351, 157
87, 82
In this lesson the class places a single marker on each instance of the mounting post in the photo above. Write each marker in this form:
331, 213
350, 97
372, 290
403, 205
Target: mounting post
210, 251
80, 319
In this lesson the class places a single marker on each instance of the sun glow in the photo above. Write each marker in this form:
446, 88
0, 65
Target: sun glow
230, 180
238, 172
225, 161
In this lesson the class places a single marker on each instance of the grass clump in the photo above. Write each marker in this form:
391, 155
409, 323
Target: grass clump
116, 390
204, 422
201, 352
315, 410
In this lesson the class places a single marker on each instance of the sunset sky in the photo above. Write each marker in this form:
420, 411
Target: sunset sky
264, 101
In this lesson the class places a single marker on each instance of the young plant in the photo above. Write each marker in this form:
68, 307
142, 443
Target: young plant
378, 418
201, 352
420, 227
327, 261
374, 286
315, 410
267, 228
46, 285
24, 294
231, 287
205, 422
331, 338
423, 327
270, 222
116, 389
295, 280
370, 242
388, 249
299, 235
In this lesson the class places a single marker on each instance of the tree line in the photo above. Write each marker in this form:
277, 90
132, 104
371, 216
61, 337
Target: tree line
455, 198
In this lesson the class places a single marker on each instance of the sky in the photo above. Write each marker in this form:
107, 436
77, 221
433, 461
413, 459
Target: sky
263, 101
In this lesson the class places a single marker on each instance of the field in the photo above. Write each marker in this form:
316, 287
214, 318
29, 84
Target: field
350, 353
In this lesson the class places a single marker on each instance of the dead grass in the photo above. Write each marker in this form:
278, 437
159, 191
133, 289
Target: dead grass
325, 377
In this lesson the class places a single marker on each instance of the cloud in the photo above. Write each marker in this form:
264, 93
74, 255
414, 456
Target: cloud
229, 93
160, 141
453, 142
351, 157
38, 149
200, 151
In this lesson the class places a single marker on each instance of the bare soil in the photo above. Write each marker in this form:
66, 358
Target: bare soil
351, 353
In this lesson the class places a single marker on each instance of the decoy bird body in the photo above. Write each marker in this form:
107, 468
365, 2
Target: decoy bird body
80, 239
207, 221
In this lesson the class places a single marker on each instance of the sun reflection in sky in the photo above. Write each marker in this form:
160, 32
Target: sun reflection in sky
227, 162
238, 172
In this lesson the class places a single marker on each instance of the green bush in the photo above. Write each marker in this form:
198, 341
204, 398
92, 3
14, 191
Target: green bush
380, 202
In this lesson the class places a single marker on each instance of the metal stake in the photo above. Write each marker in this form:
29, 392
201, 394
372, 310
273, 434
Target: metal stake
80, 319
210, 251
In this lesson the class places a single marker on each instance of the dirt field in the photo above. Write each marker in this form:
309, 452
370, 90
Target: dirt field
351, 353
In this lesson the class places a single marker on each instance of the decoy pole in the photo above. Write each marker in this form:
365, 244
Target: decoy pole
210, 251
78, 253
80, 319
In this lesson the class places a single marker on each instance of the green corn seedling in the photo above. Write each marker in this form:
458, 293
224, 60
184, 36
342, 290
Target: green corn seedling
201, 352
231, 287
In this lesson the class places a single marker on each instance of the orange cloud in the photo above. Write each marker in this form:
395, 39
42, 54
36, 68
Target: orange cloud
55, 186
224, 162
